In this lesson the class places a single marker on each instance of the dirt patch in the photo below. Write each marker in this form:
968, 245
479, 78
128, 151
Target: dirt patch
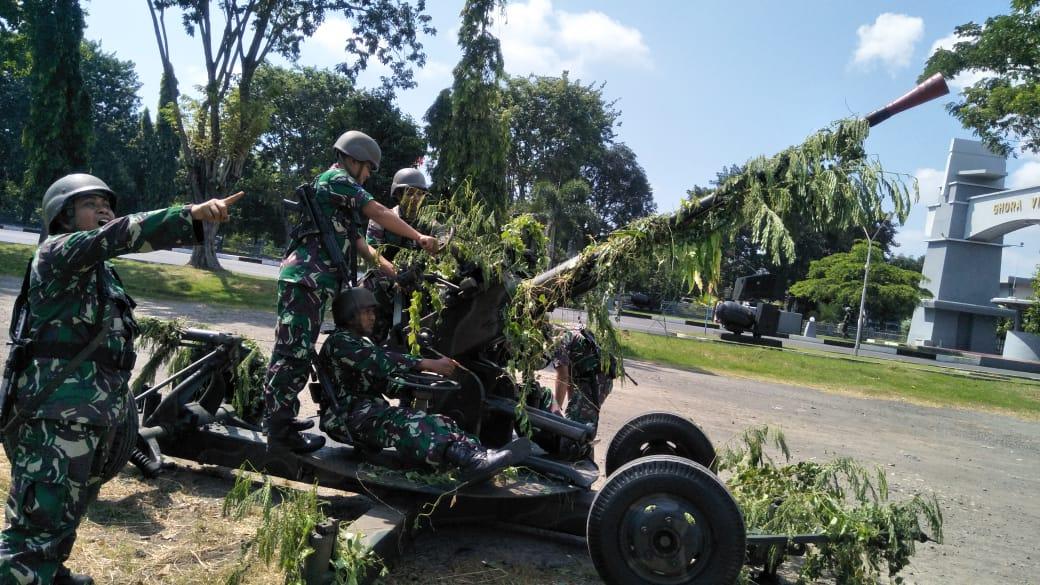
984, 468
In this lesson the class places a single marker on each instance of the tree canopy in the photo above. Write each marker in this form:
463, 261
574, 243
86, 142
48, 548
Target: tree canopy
1003, 106
558, 128
57, 136
466, 127
219, 130
892, 292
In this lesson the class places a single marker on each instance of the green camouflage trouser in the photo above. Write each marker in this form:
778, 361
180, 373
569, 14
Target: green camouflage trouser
581, 406
301, 310
55, 474
418, 437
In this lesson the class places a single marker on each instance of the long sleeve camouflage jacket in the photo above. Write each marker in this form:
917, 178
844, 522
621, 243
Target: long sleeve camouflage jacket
307, 264
360, 368
64, 309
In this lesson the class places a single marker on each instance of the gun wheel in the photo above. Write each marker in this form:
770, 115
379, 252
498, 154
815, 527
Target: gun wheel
123, 444
659, 433
664, 520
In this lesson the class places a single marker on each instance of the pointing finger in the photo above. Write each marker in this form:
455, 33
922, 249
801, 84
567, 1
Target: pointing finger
233, 198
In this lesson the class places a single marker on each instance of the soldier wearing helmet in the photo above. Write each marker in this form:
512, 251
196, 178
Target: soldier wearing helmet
409, 190
70, 393
361, 373
308, 281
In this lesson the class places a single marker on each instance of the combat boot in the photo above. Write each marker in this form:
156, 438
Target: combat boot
477, 464
283, 433
66, 577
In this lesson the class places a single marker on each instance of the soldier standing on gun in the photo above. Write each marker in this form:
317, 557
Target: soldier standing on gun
72, 391
361, 373
308, 281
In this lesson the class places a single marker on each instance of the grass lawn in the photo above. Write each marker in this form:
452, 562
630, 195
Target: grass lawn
867, 377
163, 281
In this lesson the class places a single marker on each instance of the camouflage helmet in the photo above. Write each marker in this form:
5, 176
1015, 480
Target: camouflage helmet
359, 146
349, 302
408, 177
68, 188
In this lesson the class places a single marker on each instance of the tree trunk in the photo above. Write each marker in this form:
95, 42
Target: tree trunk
204, 255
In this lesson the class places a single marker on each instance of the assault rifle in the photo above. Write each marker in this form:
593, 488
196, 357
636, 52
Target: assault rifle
326, 233
19, 342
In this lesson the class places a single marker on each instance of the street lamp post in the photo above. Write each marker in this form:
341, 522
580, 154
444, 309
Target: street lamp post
866, 276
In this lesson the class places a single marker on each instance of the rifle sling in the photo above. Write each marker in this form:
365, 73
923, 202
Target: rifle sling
52, 384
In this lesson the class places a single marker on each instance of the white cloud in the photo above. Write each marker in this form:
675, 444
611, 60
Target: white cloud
435, 70
890, 41
332, 35
537, 38
1028, 175
964, 79
929, 184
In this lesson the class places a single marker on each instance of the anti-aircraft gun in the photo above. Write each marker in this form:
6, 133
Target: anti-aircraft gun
661, 517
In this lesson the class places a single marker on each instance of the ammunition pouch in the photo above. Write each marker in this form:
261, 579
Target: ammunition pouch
124, 360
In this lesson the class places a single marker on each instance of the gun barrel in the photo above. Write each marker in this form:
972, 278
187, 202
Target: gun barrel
928, 90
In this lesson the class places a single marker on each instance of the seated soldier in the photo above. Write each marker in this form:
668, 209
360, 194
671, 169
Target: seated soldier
361, 371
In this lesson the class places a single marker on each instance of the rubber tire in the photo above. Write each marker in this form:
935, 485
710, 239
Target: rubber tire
649, 433
122, 445
693, 483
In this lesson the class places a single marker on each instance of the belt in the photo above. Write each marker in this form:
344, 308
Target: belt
104, 356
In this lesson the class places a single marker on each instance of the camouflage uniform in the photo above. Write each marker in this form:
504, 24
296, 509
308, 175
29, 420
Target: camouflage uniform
361, 372
57, 454
387, 242
306, 284
590, 384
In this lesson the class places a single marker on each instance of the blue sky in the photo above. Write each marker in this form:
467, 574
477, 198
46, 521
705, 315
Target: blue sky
701, 85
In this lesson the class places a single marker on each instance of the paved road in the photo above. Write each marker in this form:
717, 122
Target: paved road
177, 257
659, 327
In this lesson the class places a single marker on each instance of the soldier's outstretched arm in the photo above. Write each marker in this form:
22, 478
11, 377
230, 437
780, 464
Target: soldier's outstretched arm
367, 358
373, 256
138, 232
378, 213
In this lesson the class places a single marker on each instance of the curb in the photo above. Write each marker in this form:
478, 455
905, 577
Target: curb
18, 228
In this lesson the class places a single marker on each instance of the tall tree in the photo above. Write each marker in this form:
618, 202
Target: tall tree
112, 85
558, 129
14, 114
57, 137
467, 130
1003, 107
165, 162
568, 215
620, 190
892, 292
218, 132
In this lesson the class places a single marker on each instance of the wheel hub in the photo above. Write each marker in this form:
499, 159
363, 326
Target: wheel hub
664, 536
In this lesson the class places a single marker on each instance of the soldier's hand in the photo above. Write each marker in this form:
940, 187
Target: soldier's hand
215, 210
444, 366
429, 243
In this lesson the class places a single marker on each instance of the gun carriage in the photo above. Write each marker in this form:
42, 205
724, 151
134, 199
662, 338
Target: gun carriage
661, 517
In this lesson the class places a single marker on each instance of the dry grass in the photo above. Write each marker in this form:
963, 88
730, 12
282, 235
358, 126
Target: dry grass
164, 531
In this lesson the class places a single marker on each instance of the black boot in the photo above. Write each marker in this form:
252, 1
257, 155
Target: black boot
477, 465
66, 577
295, 424
282, 432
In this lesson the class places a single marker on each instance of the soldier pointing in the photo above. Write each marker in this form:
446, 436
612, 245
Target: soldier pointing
71, 392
